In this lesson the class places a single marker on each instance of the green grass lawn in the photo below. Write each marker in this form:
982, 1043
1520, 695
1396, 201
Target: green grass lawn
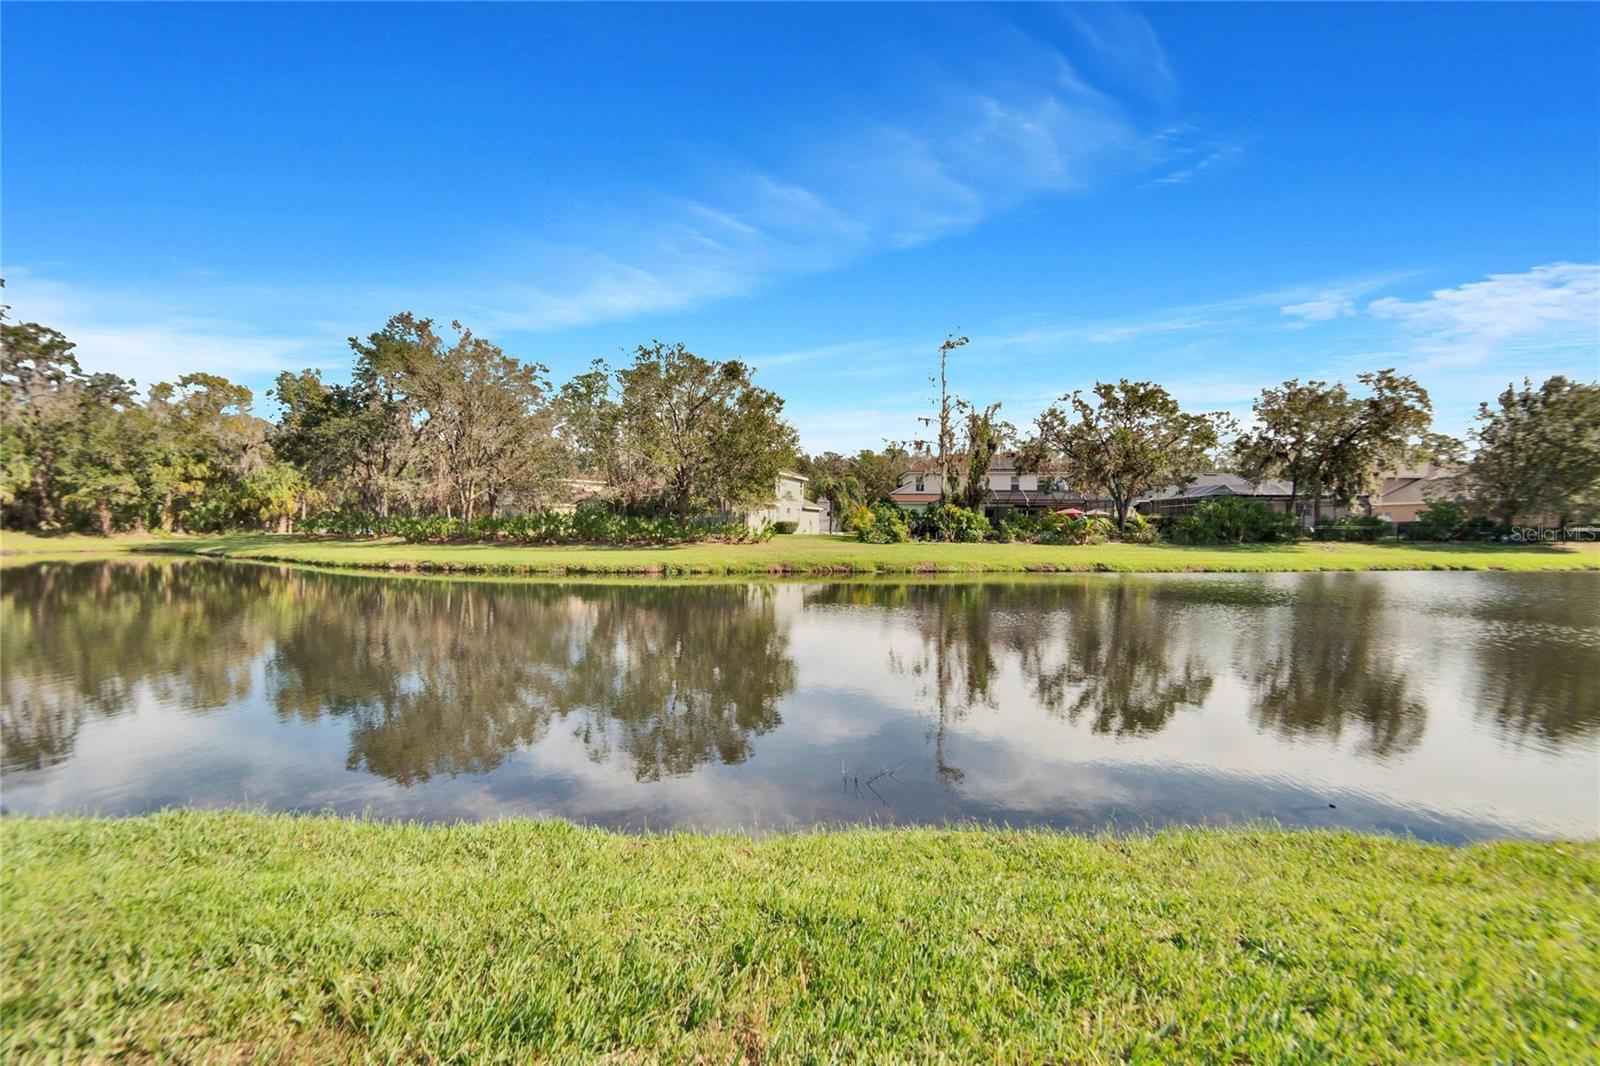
227, 936
822, 554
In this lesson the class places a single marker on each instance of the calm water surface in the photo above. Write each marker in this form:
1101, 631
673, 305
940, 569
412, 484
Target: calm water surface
1452, 706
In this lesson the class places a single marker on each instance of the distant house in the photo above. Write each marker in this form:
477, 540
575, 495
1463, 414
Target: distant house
1011, 490
1211, 485
791, 505
1407, 491
1007, 489
576, 490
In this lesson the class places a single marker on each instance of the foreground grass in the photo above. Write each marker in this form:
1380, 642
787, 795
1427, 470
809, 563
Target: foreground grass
226, 936
821, 555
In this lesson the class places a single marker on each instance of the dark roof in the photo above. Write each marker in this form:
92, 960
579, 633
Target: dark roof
1024, 498
1207, 486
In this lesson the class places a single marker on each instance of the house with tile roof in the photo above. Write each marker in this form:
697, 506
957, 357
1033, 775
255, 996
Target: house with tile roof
1007, 488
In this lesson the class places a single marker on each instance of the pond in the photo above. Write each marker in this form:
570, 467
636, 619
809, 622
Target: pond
1451, 706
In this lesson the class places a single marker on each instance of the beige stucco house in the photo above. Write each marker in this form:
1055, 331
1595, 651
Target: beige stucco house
791, 505
1408, 491
1007, 488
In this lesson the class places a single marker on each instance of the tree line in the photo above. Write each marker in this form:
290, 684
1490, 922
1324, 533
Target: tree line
1533, 452
432, 422
443, 422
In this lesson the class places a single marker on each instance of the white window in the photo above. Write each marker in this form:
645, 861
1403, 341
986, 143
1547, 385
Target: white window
921, 487
1016, 483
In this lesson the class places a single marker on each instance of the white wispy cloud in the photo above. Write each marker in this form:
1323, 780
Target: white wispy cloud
982, 135
154, 340
1126, 46
1207, 158
1555, 306
1463, 343
1026, 125
1251, 310
1340, 300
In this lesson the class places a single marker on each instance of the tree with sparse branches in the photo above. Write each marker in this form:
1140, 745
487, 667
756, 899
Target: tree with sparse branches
1133, 438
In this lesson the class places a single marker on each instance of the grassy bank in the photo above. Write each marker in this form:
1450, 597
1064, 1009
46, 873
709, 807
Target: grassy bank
218, 936
821, 554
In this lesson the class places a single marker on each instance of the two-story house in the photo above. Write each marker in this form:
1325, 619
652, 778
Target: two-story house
1408, 491
791, 505
1007, 488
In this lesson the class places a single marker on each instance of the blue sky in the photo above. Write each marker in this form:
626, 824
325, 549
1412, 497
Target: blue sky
1213, 197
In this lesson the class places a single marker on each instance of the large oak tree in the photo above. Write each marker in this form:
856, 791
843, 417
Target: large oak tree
1133, 438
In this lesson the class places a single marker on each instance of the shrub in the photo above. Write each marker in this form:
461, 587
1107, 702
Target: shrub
946, 521
1442, 520
1051, 528
1139, 530
1483, 527
1235, 520
882, 523
588, 524
1355, 527
785, 526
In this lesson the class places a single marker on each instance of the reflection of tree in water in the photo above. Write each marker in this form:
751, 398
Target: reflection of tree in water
1105, 650
1542, 689
449, 678
82, 638
433, 676
683, 674
956, 665
1124, 668
1330, 666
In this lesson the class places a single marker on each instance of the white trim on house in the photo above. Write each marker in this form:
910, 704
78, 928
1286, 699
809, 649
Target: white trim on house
791, 505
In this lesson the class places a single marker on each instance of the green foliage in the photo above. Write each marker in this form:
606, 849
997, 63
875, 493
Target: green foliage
1538, 453
1052, 528
687, 435
429, 427
79, 452
881, 523
1485, 528
273, 496
1354, 527
947, 521
785, 527
1235, 520
984, 434
584, 525
1441, 520
426, 425
1139, 530
1326, 442
1132, 439
851, 482
1445, 515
